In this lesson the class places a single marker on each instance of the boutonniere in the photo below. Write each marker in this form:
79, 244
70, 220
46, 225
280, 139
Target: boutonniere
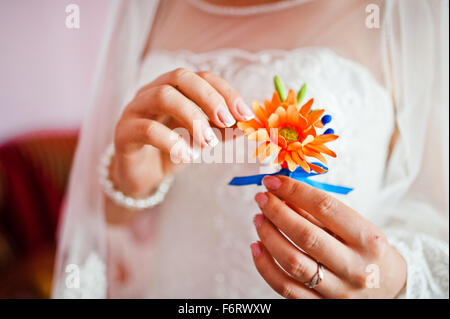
289, 129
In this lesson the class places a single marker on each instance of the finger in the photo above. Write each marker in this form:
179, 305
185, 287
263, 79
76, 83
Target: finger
306, 215
166, 100
316, 242
235, 102
135, 133
335, 215
200, 92
277, 278
297, 264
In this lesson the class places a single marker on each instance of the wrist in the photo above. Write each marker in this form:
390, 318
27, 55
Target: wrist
125, 200
130, 174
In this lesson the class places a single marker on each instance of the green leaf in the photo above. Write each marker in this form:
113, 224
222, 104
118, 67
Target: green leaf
279, 86
301, 94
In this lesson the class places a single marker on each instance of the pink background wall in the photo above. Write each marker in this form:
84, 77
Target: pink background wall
46, 68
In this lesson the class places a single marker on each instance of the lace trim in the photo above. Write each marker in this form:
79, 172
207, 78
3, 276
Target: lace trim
427, 262
264, 56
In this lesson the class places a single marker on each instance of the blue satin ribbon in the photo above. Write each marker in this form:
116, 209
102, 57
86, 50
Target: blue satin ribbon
299, 174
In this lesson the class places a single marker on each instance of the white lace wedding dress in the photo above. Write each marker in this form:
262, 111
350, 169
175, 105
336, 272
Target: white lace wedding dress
196, 243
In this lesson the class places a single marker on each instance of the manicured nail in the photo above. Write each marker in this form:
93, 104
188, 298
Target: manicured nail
225, 116
244, 110
256, 249
261, 199
272, 182
210, 137
258, 220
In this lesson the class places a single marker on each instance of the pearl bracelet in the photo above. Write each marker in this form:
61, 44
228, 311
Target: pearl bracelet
120, 198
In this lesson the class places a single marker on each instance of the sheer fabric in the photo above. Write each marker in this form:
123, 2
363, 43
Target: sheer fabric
371, 80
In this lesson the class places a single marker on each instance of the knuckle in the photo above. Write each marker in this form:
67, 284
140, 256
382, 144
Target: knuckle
287, 291
229, 92
263, 232
119, 135
293, 189
296, 268
262, 269
272, 210
325, 204
205, 74
179, 74
359, 279
310, 240
163, 93
212, 95
149, 129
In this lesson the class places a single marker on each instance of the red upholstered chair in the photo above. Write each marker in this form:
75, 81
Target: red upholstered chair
34, 171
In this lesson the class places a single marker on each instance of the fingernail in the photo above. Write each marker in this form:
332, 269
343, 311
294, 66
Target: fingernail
258, 220
225, 116
261, 199
244, 110
210, 137
256, 249
272, 182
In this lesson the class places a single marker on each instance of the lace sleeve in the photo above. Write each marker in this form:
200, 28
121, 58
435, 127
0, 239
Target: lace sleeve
428, 264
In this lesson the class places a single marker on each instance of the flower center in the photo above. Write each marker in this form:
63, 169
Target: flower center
289, 134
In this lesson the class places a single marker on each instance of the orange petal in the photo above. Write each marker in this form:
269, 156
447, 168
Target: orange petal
317, 169
248, 131
308, 139
260, 135
259, 111
290, 162
318, 124
274, 120
301, 154
310, 131
304, 110
324, 139
302, 163
249, 124
321, 149
302, 121
281, 112
314, 116
272, 149
294, 146
282, 141
276, 101
291, 98
281, 157
317, 155
261, 151
294, 117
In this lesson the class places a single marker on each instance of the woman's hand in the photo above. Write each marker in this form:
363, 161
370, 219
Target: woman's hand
358, 260
144, 139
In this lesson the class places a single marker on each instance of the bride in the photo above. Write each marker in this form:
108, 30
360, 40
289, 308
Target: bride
151, 228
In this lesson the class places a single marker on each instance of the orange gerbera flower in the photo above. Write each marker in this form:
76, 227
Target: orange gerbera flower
285, 128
